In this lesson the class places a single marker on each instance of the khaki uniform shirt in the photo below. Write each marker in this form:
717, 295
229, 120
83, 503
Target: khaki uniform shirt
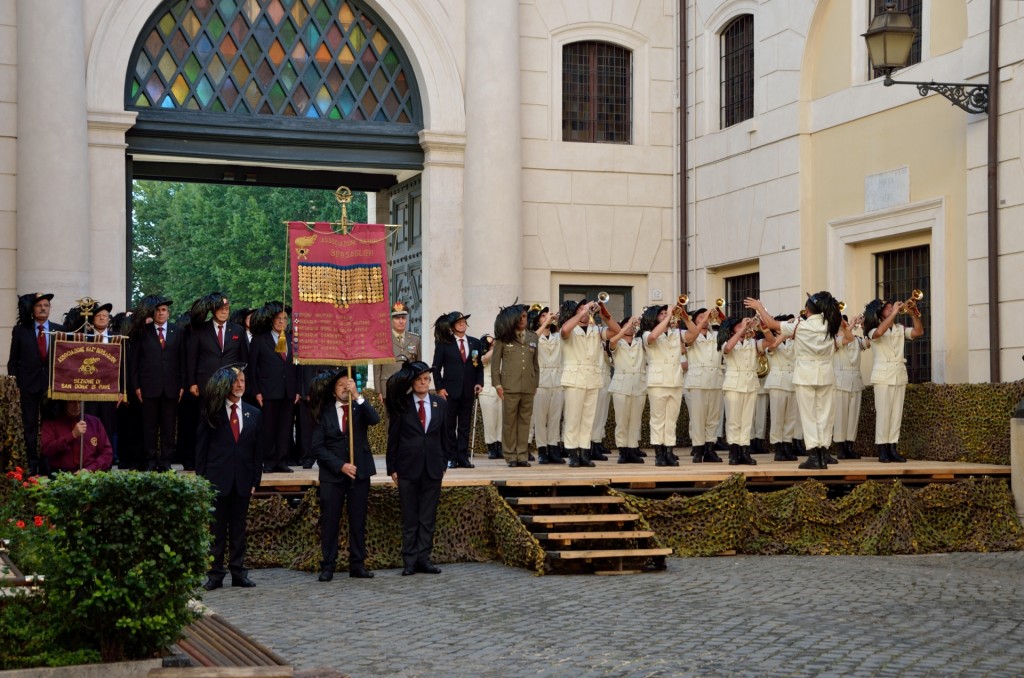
847, 366
514, 364
405, 346
663, 366
549, 358
704, 360
630, 374
741, 368
582, 353
813, 351
890, 363
780, 377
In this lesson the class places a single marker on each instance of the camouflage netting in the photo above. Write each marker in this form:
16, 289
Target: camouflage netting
515, 544
282, 536
12, 432
876, 518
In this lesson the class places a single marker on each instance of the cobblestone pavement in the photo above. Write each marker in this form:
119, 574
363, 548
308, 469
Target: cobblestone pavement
938, 615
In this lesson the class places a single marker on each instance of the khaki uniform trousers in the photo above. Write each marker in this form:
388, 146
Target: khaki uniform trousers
490, 411
516, 413
547, 416
847, 416
705, 413
760, 416
597, 429
580, 407
629, 410
888, 412
785, 416
665, 404
739, 416
817, 413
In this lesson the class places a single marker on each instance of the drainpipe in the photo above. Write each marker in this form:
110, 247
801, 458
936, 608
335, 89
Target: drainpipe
993, 192
683, 263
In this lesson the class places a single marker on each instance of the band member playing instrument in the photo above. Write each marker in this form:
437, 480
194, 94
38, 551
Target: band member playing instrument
889, 370
664, 345
781, 395
814, 375
740, 387
604, 400
701, 382
627, 390
548, 401
582, 352
514, 372
849, 387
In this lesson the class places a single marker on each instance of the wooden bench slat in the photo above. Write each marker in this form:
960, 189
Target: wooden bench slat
588, 518
609, 553
605, 534
552, 501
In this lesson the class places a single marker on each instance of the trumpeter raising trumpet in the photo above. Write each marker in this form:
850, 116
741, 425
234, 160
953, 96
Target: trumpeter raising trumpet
910, 305
717, 314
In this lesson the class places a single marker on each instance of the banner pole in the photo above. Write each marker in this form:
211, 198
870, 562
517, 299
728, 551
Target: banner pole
351, 425
81, 439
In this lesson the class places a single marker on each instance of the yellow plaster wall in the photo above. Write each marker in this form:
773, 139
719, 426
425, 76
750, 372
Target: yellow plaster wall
948, 26
929, 137
829, 41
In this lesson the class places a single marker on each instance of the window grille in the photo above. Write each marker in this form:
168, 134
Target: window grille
897, 274
737, 71
597, 93
620, 305
738, 288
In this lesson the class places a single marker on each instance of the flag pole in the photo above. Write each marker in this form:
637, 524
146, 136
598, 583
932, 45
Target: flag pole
351, 422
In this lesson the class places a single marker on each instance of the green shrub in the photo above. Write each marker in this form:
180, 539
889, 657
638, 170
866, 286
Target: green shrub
31, 636
130, 550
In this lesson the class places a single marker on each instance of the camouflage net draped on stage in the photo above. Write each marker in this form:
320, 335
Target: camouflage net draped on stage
876, 518
12, 430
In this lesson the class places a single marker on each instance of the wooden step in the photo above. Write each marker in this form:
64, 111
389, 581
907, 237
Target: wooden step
591, 518
579, 536
609, 553
551, 501
553, 482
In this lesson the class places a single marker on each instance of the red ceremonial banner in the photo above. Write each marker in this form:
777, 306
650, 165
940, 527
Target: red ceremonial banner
85, 370
340, 303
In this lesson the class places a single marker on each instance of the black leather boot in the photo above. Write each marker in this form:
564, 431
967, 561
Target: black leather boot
597, 451
798, 447
659, 456
555, 454
829, 459
883, 453
493, 452
670, 456
844, 450
720, 445
697, 454
623, 456
789, 452
853, 454
894, 455
710, 455
640, 451
745, 457
734, 455
574, 458
635, 456
585, 458
815, 460
542, 455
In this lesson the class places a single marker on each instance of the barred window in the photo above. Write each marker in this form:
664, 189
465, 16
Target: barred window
620, 302
738, 71
912, 8
897, 274
597, 93
738, 288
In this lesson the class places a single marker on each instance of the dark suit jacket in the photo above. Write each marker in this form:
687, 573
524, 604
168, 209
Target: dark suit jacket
412, 451
453, 375
330, 445
228, 465
25, 364
205, 356
157, 371
269, 376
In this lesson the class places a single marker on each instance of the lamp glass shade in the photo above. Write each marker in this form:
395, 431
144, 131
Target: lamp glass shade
890, 38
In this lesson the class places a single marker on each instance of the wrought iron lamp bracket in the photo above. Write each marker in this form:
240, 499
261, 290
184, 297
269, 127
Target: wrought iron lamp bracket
968, 96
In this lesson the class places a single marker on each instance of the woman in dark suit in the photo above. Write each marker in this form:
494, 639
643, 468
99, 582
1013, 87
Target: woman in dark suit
417, 446
342, 474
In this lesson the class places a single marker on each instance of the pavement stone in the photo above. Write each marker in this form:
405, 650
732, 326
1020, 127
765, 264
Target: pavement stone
937, 615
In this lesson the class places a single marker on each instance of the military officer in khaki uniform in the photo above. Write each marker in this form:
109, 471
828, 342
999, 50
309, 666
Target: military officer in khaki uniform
515, 375
405, 344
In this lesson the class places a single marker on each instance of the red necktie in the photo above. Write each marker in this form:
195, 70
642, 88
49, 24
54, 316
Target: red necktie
344, 416
423, 417
462, 350
235, 431
220, 336
161, 331
41, 341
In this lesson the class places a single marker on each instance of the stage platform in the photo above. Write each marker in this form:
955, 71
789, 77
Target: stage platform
687, 477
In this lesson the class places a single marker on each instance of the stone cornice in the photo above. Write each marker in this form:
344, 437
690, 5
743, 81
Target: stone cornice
443, 148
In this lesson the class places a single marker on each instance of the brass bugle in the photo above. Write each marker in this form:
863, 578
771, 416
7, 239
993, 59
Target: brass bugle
535, 307
717, 315
604, 297
910, 305
842, 306
682, 300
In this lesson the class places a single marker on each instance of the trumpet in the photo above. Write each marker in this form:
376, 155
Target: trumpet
754, 326
603, 297
680, 310
842, 306
910, 305
717, 314
535, 307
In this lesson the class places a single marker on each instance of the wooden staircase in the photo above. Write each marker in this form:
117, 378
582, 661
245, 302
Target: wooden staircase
582, 528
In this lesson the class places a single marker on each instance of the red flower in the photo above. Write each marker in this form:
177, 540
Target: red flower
39, 521
20, 524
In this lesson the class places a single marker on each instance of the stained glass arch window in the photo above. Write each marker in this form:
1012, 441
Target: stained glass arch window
321, 59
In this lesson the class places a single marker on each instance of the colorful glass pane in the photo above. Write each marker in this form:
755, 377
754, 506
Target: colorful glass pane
191, 24
292, 51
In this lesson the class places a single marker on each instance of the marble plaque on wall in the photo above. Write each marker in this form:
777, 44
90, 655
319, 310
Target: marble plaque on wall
887, 189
